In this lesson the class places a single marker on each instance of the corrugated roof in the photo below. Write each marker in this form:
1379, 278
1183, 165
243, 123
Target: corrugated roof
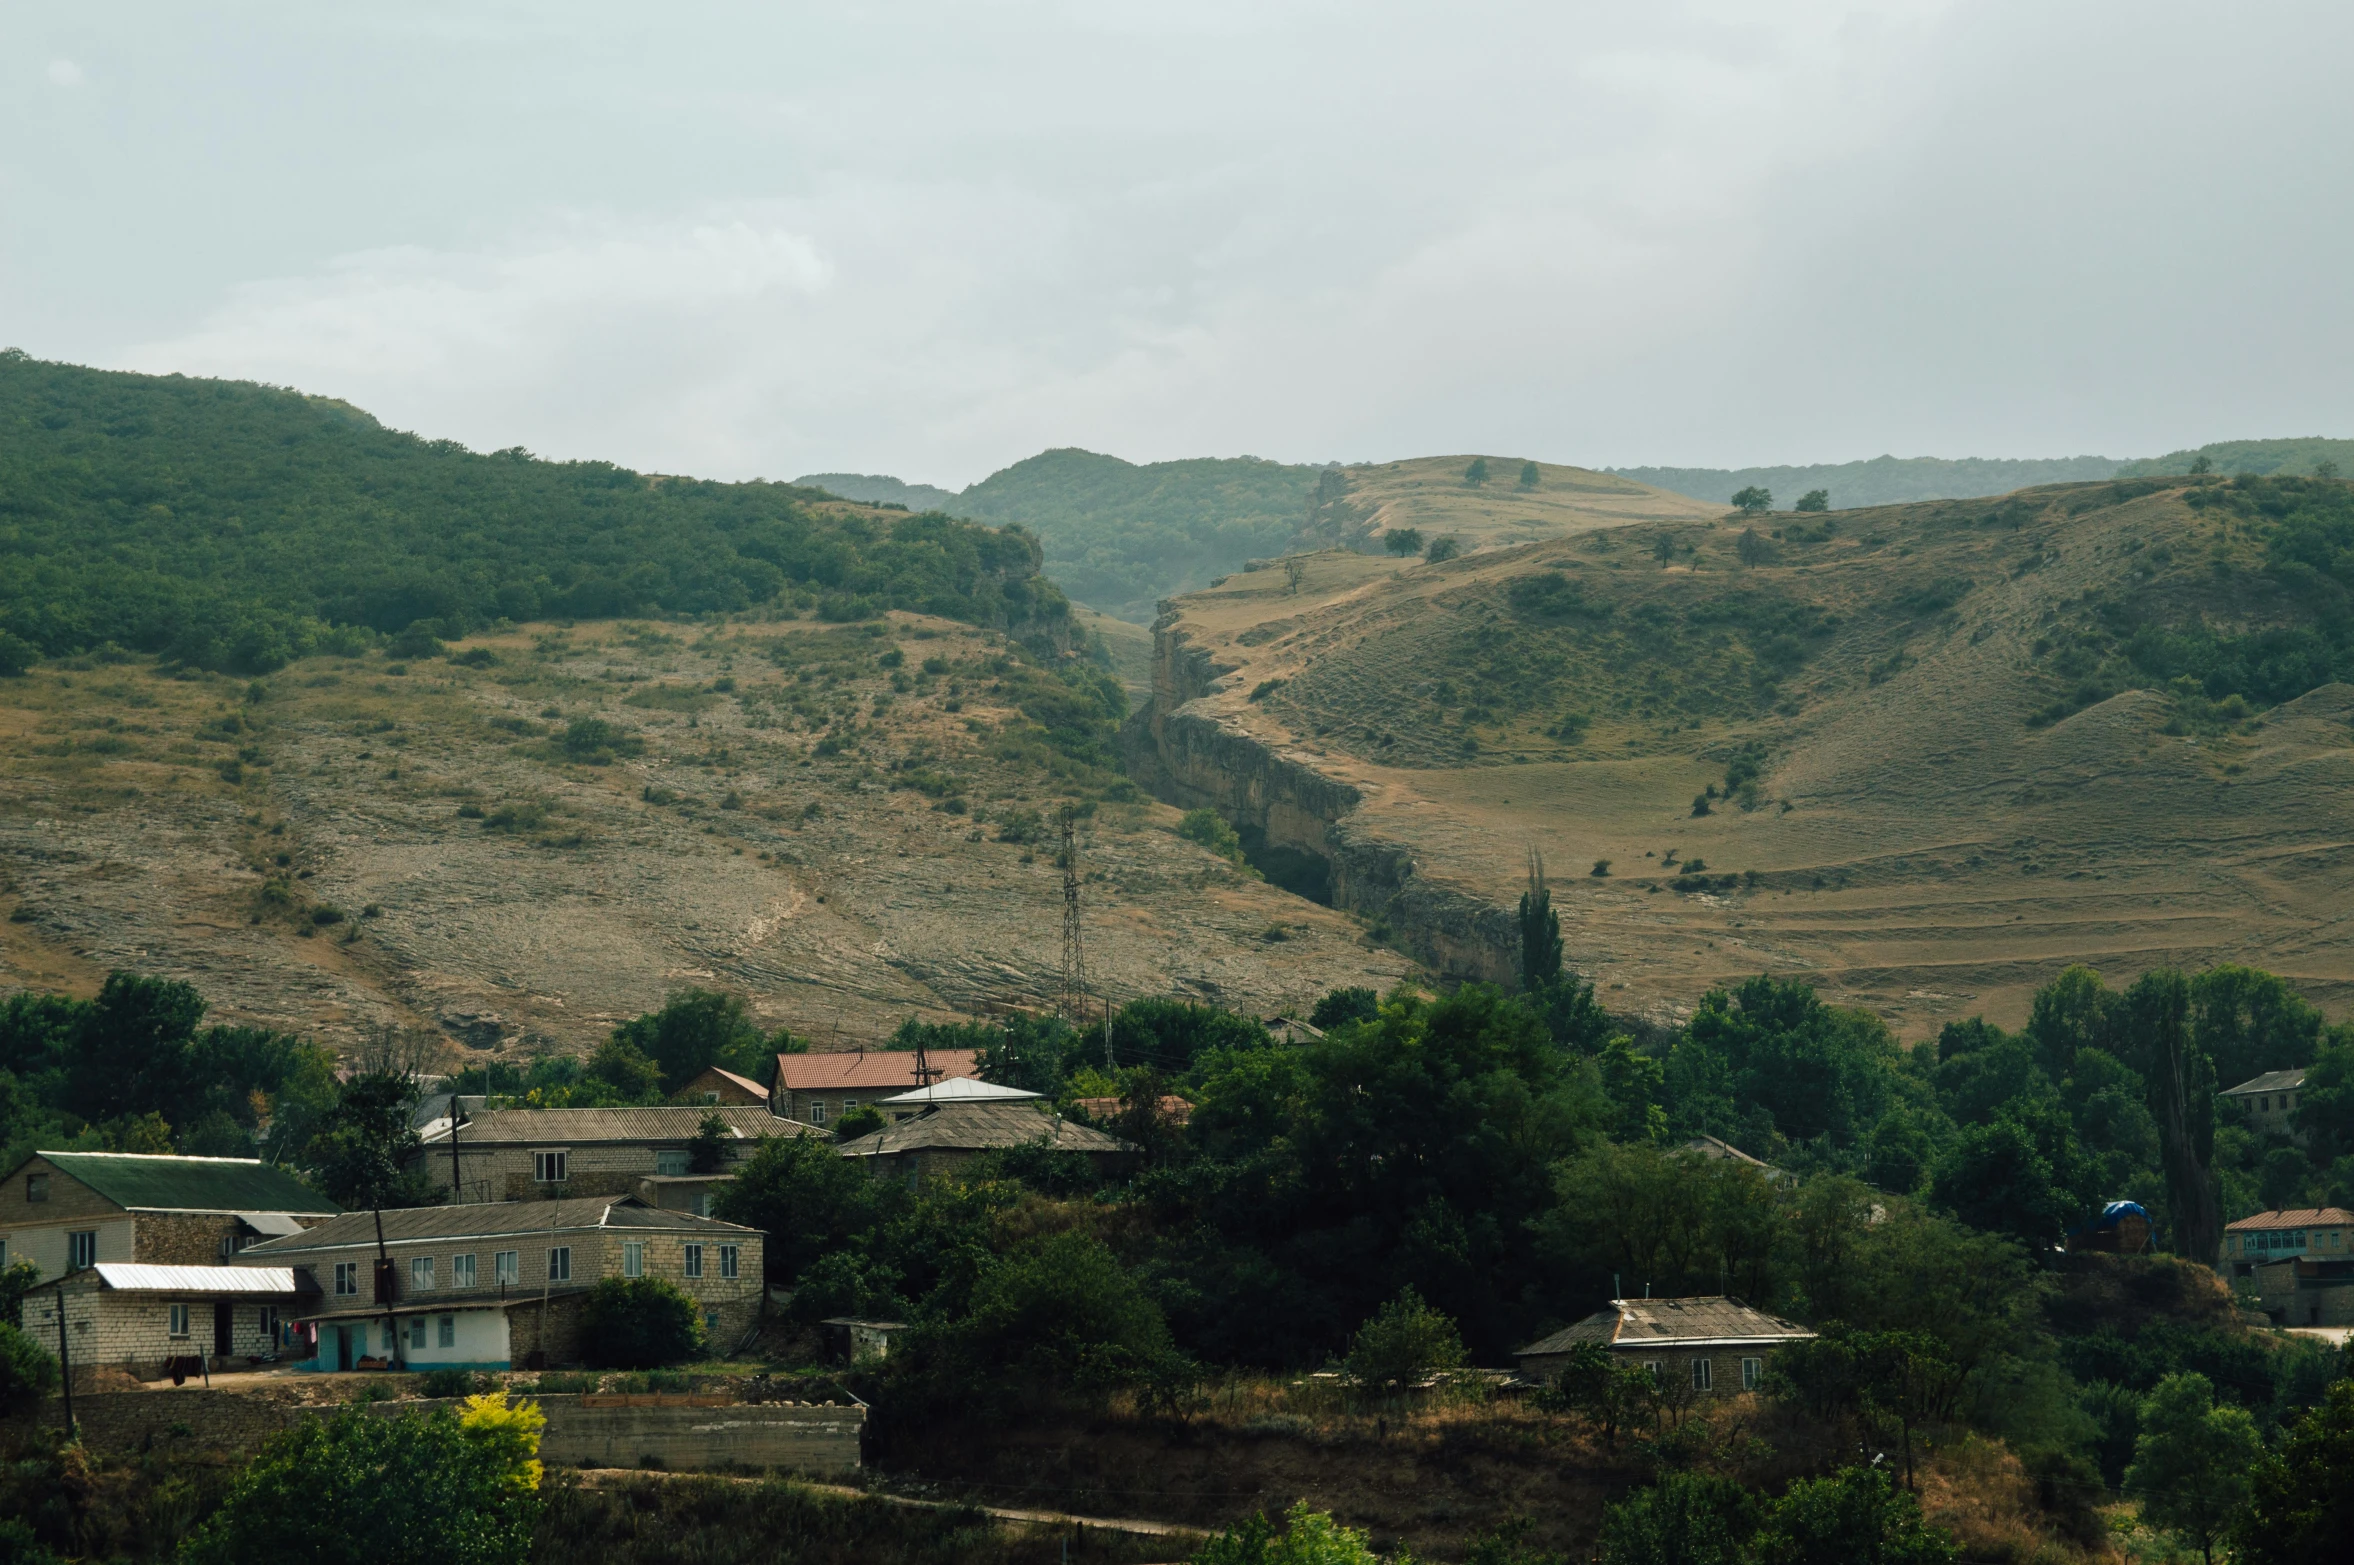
2293, 1217
134, 1278
575, 1127
868, 1069
980, 1127
962, 1089
153, 1182
745, 1082
486, 1220
1634, 1323
2270, 1081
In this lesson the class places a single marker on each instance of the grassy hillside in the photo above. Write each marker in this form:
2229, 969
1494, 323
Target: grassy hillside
881, 489
232, 526
2310, 457
1884, 480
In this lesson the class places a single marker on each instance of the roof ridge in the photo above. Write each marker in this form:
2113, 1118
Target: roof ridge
156, 1157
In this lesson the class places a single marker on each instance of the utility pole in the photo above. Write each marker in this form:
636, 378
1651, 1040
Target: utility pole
1074, 952
65, 1363
457, 1187
386, 1291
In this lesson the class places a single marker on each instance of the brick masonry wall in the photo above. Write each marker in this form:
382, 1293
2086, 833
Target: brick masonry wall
505, 1172
132, 1331
182, 1238
735, 1302
581, 1432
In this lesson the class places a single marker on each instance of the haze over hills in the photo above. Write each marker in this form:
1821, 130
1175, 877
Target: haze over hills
1926, 754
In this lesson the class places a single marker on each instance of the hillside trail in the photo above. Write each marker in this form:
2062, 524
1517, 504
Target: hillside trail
1135, 1525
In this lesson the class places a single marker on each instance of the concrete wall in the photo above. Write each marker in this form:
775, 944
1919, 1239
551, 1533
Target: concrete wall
583, 1431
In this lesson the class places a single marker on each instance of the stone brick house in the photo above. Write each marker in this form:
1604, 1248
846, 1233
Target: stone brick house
818, 1089
2321, 1233
1708, 1346
63, 1211
498, 1285
2271, 1102
549, 1154
720, 1086
150, 1320
941, 1137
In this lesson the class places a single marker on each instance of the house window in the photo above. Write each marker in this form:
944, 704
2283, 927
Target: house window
1752, 1374
560, 1264
421, 1273
633, 1259
817, 1111
702, 1203
727, 1260
694, 1260
347, 1277
711, 1097
269, 1324
416, 1331
461, 1271
81, 1250
505, 1266
670, 1162
549, 1168
1700, 1374
848, 1104
179, 1320
36, 1187
445, 1331
1654, 1368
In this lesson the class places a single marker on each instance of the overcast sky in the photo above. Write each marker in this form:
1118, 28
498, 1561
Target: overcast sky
932, 238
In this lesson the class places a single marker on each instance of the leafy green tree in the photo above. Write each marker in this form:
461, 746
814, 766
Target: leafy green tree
1632, 1083
618, 1074
2154, 1018
863, 1120
1753, 501
1060, 1317
366, 1152
708, 1148
134, 1051
2300, 1507
695, 1030
1854, 1517
2192, 1464
1995, 1176
1212, 830
356, 1489
1529, 476
1813, 500
1402, 540
1769, 1062
807, 1200
1404, 1343
16, 655
1540, 931
28, 1372
1684, 1519
1308, 1538
1606, 1391
1477, 473
1443, 548
1342, 1006
2325, 1105
1751, 549
640, 1323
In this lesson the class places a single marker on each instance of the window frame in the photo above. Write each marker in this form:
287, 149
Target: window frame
421, 1275
445, 1331
1752, 1373
36, 1189
463, 1272
175, 1324
730, 1260
506, 1266
416, 1331
672, 1162
559, 1263
817, 1111
1703, 1373
551, 1166
81, 1249
633, 1257
347, 1279
692, 1259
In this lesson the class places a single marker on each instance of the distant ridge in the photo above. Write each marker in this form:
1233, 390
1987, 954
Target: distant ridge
1884, 480
880, 489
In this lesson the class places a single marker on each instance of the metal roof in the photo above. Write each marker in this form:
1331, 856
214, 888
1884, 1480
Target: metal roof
2270, 1081
962, 1089
488, 1220
1709, 1321
676, 1122
2293, 1217
126, 1277
980, 1127
864, 1069
153, 1182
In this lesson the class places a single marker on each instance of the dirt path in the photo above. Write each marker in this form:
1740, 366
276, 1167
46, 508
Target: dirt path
1129, 1524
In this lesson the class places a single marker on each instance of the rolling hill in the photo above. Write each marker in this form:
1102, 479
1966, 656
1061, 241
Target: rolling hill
1928, 754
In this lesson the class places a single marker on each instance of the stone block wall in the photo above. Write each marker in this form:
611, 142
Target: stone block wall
730, 1304
182, 1238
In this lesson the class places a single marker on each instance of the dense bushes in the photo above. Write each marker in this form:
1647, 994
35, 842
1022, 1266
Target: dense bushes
640, 1323
238, 526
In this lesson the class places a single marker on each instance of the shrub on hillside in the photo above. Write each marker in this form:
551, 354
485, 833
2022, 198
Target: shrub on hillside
640, 1323
1405, 1343
27, 1372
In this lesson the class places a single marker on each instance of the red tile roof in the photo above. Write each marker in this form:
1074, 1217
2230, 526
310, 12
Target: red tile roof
2293, 1217
865, 1070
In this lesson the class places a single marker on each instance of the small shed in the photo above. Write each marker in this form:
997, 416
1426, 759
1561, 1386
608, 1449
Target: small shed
2122, 1228
152, 1320
1712, 1344
852, 1338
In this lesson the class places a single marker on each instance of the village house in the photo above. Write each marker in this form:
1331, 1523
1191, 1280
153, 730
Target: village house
2271, 1102
498, 1285
547, 1154
950, 1124
64, 1211
150, 1321
818, 1089
1715, 1151
2318, 1232
721, 1086
1710, 1346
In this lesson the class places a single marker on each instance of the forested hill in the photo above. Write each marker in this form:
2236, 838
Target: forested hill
1121, 536
234, 525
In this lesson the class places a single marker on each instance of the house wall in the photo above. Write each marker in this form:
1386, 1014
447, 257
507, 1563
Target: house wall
1675, 1366
712, 1087
132, 1331
501, 1171
730, 1304
47, 1247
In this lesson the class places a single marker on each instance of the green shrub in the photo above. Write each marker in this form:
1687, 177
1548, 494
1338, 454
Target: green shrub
1404, 1343
640, 1322
27, 1372
1308, 1538
1210, 829
449, 1383
598, 742
1442, 549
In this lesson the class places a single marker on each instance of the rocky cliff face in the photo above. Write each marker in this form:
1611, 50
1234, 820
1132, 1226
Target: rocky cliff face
1183, 749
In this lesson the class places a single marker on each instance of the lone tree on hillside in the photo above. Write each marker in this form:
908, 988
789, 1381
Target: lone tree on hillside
1814, 500
1477, 473
1752, 549
1442, 549
1753, 500
1528, 475
2193, 1462
1295, 570
1403, 540
1540, 930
